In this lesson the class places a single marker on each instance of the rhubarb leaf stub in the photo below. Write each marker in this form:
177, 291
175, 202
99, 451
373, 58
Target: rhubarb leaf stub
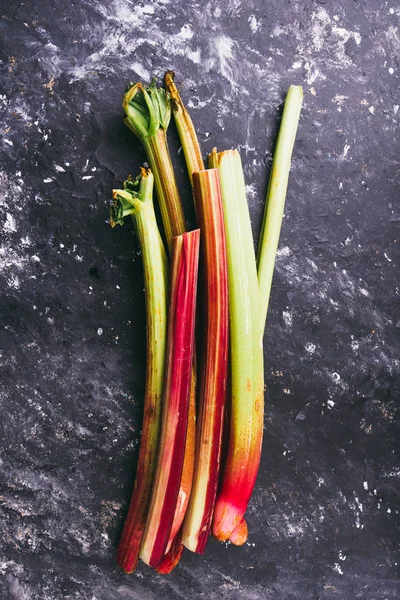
147, 109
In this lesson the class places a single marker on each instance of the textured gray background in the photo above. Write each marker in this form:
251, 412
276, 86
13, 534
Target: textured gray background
322, 519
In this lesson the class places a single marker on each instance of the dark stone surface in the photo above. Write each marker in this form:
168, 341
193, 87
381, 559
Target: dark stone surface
322, 519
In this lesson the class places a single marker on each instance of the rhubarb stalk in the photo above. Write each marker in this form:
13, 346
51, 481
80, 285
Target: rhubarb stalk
178, 370
148, 114
240, 534
247, 398
276, 195
172, 557
186, 130
185, 487
214, 359
194, 163
139, 204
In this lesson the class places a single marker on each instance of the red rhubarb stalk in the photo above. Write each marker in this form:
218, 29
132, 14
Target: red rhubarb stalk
172, 557
240, 534
178, 370
185, 487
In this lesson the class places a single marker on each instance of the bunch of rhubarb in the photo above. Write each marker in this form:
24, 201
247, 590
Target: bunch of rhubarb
204, 403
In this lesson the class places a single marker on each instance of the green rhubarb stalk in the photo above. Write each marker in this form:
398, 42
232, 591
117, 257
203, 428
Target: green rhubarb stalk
276, 196
246, 409
139, 204
148, 113
186, 130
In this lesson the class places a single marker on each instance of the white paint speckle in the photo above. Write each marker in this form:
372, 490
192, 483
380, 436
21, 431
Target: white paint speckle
345, 152
10, 224
285, 251
287, 317
335, 377
336, 567
365, 485
100, 331
391, 70
85, 177
59, 169
342, 556
310, 347
254, 24
330, 403
79, 258
387, 258
359, 505
48, 180
371, 109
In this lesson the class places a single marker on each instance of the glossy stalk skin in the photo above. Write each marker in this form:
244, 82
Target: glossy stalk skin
178, 370
172, 557
276, 195
148, 114
155, 267
247, 398
214, 362
185, 487
185, 127
240, 534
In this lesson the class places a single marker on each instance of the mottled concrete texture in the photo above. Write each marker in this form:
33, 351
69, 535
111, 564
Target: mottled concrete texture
322, 519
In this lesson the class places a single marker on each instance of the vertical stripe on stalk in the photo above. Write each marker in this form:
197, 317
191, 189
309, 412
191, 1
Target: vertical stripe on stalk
185, 487
181, 318
165, 183
172, 556
214, 359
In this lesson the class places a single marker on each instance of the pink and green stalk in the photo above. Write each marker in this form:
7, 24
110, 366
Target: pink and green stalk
246, 355
178, 370
214, 359
185, 487
194, 163
139, 204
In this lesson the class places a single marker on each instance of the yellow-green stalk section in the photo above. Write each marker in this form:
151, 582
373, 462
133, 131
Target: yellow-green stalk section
139, 204
185, 127
276, 196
